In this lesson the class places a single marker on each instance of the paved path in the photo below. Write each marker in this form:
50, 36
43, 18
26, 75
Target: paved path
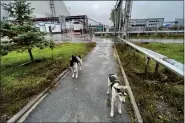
83, 99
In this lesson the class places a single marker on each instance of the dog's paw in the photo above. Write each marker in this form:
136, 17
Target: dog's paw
120, 112
112, 114
76, 77
73, 76
107, 93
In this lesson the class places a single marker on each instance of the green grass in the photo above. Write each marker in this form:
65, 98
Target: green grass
158, 36
20, 83
174, 51
158, 99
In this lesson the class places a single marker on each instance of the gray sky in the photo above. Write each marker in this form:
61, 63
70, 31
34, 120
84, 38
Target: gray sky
100, 10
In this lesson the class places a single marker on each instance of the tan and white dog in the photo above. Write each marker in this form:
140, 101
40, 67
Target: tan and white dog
118, 92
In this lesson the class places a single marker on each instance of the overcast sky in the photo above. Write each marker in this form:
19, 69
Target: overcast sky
100, 10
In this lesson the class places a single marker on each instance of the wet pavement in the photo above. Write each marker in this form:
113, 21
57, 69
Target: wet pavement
83, 99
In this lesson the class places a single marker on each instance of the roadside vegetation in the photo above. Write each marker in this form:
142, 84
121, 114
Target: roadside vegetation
160, 98
20, 83
173, 51
128, 105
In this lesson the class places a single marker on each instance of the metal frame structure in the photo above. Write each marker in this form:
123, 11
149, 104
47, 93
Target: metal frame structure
52, 6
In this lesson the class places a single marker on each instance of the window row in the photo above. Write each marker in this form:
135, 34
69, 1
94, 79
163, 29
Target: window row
153, 21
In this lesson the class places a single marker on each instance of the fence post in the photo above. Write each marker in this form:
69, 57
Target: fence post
134, 55
156, 67
146, 67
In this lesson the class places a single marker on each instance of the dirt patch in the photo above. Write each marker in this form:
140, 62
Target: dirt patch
159, 98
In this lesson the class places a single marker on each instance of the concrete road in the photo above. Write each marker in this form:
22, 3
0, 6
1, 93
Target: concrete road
83, 99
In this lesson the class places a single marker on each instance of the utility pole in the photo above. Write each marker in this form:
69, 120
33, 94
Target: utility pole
115, 21
127, 15
120, 18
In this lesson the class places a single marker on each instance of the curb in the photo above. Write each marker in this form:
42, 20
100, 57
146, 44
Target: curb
34, 100
131, 96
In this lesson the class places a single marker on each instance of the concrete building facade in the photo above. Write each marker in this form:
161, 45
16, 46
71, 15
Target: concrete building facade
141, 24
154, 22
42, 9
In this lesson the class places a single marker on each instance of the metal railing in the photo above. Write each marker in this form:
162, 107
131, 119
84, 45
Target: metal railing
171, 67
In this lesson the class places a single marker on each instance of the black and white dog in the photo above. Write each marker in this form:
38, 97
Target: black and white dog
118, 92
74, 62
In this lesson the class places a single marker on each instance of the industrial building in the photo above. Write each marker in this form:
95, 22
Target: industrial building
53, 16
154, 22
142, 24
43, 9
179, 22
79, 23
47, 10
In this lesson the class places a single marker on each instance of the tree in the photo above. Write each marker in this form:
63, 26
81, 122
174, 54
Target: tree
5, 42
23, 34
20, 10
29, 37
112, 16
